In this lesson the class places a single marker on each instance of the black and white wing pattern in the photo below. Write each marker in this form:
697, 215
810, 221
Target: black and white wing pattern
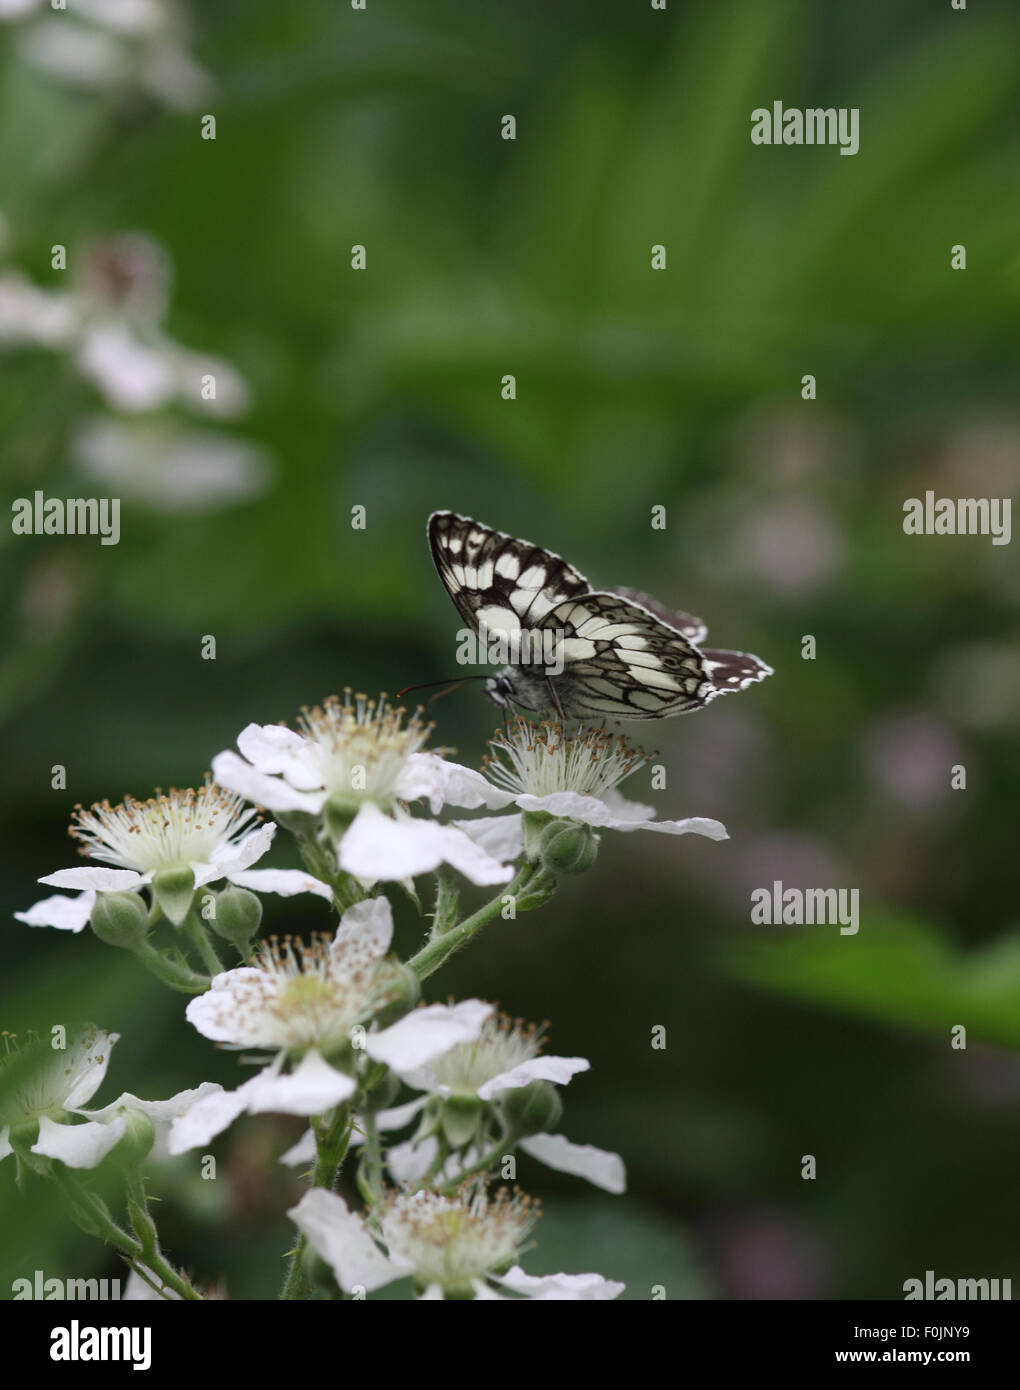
495, 579
623, 654
686, 623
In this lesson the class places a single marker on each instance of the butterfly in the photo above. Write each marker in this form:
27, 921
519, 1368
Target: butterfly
617, 653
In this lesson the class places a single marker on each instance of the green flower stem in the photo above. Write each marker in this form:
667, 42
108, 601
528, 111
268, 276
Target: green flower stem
501, 1149
194, 929
322, 865
440, 948
370, 1167
172, 973
331, 1140
90, 1213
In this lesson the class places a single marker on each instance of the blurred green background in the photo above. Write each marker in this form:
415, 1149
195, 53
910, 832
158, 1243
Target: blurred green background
635, 388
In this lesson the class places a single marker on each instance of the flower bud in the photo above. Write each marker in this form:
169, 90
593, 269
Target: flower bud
138, 1137
174, 890
461, 1118
568, 848
236, 916
533, 1109
119, 919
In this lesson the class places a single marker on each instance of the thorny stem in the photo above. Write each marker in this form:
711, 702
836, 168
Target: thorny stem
440, 948
332, 1137
97, 1220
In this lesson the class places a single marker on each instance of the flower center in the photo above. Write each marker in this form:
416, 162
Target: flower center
542, 760
452, 1240
165, 832
363, 746
503, 1044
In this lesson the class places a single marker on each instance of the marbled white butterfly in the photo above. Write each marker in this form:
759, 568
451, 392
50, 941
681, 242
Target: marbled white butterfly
622, 655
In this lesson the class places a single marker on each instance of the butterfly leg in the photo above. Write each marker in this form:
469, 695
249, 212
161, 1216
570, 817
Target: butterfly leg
556, 700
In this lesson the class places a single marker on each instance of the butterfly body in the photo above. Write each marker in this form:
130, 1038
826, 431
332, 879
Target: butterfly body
606, 654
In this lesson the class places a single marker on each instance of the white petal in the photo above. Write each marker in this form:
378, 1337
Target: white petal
284, 882
562, 1287
400, 1115
312, 1088
68, 914
368, 924
339, 1236
79, 1146
379, 847
447, 784
162, 1113
88, 1056
235, 858
433, 1294
408, 1162
500, 836
557, 1069
106, 880
693, 825
5, 1142
304, 1151
604, 1169
274, 793
211, 1116
271, 748
424, 1034
221, 1013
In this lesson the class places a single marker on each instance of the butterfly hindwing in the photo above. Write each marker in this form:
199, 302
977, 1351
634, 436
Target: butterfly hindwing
495, 579
686, 623
619, 660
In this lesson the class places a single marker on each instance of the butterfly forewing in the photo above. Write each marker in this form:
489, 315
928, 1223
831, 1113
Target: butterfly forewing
495, 579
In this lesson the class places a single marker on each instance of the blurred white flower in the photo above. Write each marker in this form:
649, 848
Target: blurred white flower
453, 1247
63, 1080
169, 469
59, 1088
467, 1055
33, 317
103, 43
109, 325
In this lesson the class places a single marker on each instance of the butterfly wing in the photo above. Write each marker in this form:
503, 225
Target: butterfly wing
685, 623
496, 579
732, 671
621, 661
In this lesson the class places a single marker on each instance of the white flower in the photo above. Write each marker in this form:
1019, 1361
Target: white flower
120, 41
207, 831
451, 1246
168, 468
571, 777
33, 316
58, 1087
301, 1002
360, 759
493, 1055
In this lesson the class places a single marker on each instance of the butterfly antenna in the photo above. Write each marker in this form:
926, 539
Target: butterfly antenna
429, 685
